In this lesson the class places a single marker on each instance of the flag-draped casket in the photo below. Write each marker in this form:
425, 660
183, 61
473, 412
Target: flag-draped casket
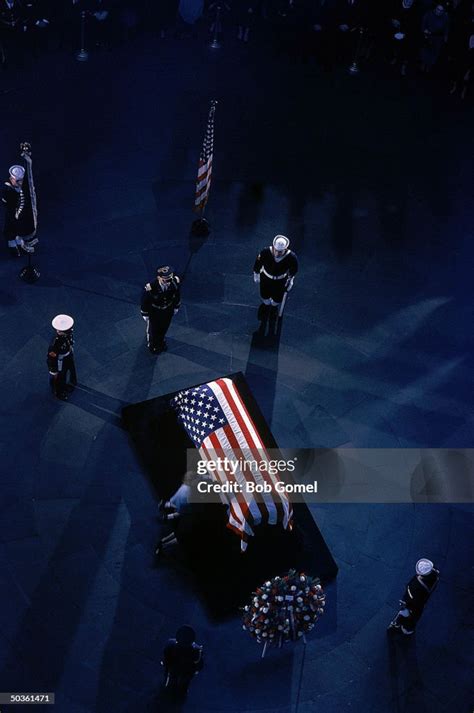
216, 418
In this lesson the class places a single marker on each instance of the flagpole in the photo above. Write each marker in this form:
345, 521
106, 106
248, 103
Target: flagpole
200, 227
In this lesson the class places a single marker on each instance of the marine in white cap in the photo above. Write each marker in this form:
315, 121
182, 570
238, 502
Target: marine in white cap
415, 597
60, 360
275, 269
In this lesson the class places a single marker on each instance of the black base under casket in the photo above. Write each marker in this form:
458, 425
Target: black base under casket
225, 576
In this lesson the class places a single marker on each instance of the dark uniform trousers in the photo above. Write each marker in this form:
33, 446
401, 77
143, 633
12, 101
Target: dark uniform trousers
62, 368
417, 593
158, 307
181, 663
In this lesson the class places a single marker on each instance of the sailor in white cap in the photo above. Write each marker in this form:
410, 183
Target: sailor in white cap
275, 269
19, 199
61, 357
417, 593
14, 201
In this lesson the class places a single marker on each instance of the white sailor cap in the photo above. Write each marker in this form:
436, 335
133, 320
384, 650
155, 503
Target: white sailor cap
62, 322
280, 242
424, 566
17, 172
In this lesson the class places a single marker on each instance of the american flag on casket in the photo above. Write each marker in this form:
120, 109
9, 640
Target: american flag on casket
218, 422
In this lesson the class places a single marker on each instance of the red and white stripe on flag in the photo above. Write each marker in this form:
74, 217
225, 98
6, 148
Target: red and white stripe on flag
240, 441
203, 183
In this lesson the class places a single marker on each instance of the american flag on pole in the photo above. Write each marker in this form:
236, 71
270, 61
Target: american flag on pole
219, 424
203, 183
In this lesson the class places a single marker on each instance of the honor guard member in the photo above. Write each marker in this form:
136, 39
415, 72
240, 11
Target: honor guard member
417, 593
61, 357
275, 269
161, 300
182, 660
19, 227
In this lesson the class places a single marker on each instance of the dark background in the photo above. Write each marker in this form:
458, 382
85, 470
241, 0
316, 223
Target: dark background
370, 177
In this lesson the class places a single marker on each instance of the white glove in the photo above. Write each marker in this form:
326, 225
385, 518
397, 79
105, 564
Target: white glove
289, 284
256, 277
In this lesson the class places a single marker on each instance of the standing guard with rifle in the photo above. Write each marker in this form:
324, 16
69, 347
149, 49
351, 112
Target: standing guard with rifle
275, 269
417, 592
19, 198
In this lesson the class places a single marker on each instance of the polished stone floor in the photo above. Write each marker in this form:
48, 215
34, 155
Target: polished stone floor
370, 177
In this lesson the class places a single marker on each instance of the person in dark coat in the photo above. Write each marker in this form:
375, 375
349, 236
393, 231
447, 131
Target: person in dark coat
161, 300
13, 25
245, 15
416, 595
435, 28
404, 33
182, 660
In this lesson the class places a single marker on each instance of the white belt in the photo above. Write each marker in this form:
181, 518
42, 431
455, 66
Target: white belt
274, 277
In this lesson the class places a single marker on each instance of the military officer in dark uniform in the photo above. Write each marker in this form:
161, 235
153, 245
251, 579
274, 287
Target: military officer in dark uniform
275, 269
417, 593
161, 300
61, 357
